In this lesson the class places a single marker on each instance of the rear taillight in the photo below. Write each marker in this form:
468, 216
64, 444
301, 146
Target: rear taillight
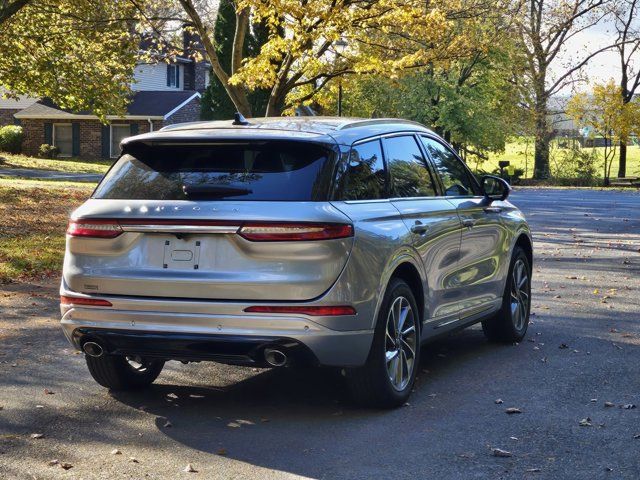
94, 228
93, 302
281, 232
329, 311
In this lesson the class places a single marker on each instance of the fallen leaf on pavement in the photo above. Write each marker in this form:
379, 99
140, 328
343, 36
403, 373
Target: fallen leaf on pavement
533, 470
628, 406
498, 452
168, 424
53, 462
221, 451
585, 422
189, 469
563, 345
609, 404
512, 410
115, 451
48, 392
134, 459
498, 401
66, 465
37, 435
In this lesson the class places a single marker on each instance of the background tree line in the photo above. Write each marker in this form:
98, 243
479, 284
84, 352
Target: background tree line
477, 71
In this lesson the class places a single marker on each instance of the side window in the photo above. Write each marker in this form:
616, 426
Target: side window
409, 174
455, 177
365, 176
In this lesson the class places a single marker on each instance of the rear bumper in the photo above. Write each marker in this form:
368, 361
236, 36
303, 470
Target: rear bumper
232, 349
219, 331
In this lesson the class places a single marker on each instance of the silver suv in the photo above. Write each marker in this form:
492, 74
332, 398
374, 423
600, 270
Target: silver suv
326, 241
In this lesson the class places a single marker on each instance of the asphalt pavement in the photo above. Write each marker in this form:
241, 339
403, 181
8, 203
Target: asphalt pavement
581, 354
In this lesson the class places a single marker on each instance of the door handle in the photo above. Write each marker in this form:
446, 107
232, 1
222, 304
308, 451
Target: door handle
492, 209
468, 222
419, 228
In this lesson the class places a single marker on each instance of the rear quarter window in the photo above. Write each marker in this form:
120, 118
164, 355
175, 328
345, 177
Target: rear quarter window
271, 170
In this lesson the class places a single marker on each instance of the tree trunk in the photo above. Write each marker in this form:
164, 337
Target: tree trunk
8, 10
622, 166
541, 168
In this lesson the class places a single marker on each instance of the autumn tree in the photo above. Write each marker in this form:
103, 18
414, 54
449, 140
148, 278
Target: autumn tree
628, 44
79, 53
605, 112
545, 27
298, 58
215, 103
472, 100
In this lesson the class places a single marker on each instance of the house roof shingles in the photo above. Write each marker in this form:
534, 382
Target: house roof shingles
143, 104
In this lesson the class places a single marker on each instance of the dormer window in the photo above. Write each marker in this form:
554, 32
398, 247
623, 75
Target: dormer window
173, 76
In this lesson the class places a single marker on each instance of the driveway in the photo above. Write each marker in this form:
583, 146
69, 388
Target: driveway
582, 350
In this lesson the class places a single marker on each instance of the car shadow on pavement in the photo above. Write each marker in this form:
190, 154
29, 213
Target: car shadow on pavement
270, 416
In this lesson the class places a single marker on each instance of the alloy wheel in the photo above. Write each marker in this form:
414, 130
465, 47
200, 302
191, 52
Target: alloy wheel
400, 343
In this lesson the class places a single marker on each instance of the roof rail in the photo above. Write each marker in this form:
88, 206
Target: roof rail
378, 121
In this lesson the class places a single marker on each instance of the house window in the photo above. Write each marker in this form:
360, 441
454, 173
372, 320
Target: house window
173, 76
63, 138
207, 78
118, 133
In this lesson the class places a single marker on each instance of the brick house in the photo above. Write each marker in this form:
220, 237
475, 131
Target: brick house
163, 94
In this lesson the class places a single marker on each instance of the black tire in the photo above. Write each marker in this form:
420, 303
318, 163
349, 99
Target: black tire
371, 384
507, 326
117, 373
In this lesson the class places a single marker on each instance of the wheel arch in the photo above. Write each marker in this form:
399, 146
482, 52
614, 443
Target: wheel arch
408, 272
524, 241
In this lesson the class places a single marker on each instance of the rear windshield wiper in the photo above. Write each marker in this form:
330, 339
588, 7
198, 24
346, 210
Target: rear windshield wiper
214, 191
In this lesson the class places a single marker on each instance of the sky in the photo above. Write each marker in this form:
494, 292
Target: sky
601, 68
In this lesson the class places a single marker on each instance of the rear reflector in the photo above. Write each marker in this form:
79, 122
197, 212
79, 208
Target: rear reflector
312, 311
281, 232
94, 228
94, 302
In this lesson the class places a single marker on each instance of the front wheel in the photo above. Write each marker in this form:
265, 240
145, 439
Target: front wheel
511, 322
123, 373
386, 380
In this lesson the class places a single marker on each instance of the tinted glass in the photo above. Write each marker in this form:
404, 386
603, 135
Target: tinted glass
365, 176
247, 171
454, 175
409, 173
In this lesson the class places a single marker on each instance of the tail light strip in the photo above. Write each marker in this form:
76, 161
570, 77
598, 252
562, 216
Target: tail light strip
252, 231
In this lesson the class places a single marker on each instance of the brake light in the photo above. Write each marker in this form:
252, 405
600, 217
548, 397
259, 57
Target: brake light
94, 228
281, 232
93, 302
329, 311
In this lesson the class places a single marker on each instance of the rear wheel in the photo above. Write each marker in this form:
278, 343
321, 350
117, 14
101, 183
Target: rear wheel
388, 376
123, 373
511, 322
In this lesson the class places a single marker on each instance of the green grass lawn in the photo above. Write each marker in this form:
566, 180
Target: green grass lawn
520, 154
33, 219
59, 165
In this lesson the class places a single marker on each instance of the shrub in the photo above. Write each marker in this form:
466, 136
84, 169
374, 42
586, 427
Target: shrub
48, 151
574, 163
11, 139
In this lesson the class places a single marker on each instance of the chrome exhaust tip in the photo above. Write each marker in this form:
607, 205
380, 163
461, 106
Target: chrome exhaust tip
92, 349
274, 357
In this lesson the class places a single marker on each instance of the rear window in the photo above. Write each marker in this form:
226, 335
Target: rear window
273, 170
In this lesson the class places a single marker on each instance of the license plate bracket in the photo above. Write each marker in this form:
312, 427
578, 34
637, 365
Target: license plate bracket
181, 254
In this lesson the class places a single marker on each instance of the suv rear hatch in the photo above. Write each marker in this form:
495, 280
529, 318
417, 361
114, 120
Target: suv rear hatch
224, 221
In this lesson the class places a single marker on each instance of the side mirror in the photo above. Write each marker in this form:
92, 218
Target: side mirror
495, 188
